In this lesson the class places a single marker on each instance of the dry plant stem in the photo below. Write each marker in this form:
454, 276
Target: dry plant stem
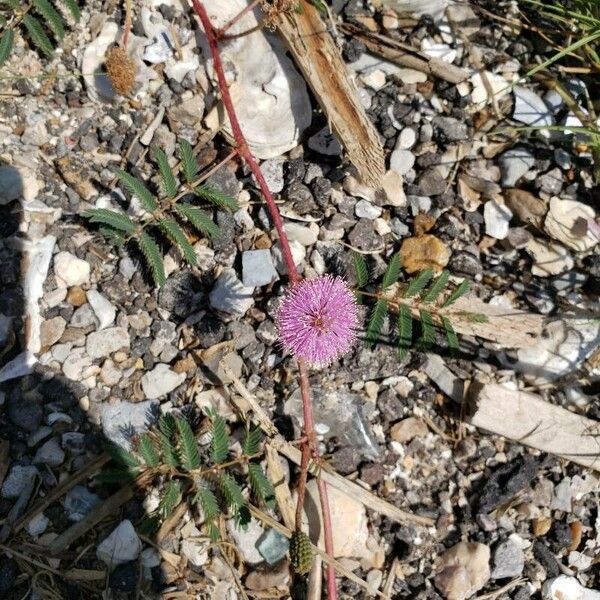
127, 27
246, 154
221, 31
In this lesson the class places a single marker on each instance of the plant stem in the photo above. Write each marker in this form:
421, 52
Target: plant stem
309, 446
127, 27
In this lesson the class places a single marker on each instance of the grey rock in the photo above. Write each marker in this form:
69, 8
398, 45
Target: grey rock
160, 381
324, 142
365, 210
431, 183
50, 454
26, 414
80, 502
273, 546
497, 218
530, 108
364, 237
451, 129
17, 480
402, 161
508, 561
37, 525
163, 333
36, 134
11, 185
104, 310
514, 163
83, 317
246, 539
123, 420
101, 344
121, 546
272, 171
562, 497
230, 295
258, 268
551, 182
127, 268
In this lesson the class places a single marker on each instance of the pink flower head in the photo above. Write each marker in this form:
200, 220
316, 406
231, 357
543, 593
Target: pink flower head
317, 320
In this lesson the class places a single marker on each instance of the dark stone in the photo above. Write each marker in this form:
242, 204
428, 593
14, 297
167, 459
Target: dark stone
177, 293
447, 129
124, 577
26, 414
295, 170
466, 263
506, 481
226, 223
210, 331
225, 181
353, 50
545, 557
560, 536
372, 473
431, 183
116, 289
301, 197
390, 405
9, 571
522, 594
321, 189
346, 460
364, 237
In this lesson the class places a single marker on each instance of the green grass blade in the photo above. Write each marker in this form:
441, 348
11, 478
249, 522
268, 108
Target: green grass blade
38, 35
170, 185
152, 254
404, 330
437, 287
178, 237
6, 45
51, 17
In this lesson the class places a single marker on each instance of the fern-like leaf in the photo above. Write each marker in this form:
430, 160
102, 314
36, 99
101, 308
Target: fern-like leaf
7, 41
170, 184
137, 188
168, 450
252, 441
72, 8
151, 252
451, 336
188, 161
112, 218
418, 283
260, 484
199, 219
167, 424
170, 499
437, 287
119, 476
148, 451
114, 236
15, 5
122, 457
219, 443
461, 290
361, 269
427, 329
210, 509
376, 321
38, 35
392, 273
232, 492
178, 237
217, 197
188, 446
51, 17
404, 330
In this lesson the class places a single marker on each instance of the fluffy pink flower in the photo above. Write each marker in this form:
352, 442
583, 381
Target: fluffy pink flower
317, 320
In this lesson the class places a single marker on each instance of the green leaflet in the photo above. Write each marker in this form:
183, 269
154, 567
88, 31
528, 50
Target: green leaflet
170, 185
219, 443
252, 441
427, 329
51, 17
112, 218
260, 484
72, 8
392, 273
7, 41
461, 290
151, 252
216, 197
418, 283
404, 331
137, 188
361, 269
38, 35
376, 321
170, 499
179, 239
188, 446
437, 287
148, 451
451, 336
188, 161
199, 219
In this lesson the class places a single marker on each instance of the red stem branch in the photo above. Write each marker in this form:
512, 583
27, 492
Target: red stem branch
310, 445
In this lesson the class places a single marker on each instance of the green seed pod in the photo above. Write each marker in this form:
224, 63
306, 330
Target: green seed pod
301, 554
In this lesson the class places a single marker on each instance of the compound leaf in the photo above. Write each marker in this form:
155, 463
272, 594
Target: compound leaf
188, 447
137, 188
151, 252
178, 237
404, 330
461, 290
437, 287
170, 185
418, 283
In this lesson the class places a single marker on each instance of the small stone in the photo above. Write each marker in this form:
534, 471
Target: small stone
123, 420
272, 171
365, 210
515, 163
38, 525
36, 134
124, 577
80, 502
273, 546
497, 218
463, 570
76, 296
258, 268
246, 539
268, 578
374, 79
70, 270
104, 310
324, 142
195, 551
408, 429
160, 381
551, 182
51, 331
508, 561
364, 237
450, 129
83, 317
564, 587
393, 186
100, 344
121, 546
431, 183
229, 294
530, 108
50, 454
402, 161
17, 480
426, 251
11, 184
572, 223
407, 139
562, 497
526, 207
549, 258
299, 233
110, 374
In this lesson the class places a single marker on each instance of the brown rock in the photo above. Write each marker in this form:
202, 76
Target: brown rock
269, 578
527, 207
423, 252
51, 331
77, 176
76, 296
423, 223
183, 365
463, 570
407, 429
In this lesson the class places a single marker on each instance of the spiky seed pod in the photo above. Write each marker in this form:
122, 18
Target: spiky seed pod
301, 554
121, 70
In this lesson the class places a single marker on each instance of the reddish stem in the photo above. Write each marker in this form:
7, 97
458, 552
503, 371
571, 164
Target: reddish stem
310, 446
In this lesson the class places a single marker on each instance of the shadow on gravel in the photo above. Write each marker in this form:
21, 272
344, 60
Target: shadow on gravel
46, 439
